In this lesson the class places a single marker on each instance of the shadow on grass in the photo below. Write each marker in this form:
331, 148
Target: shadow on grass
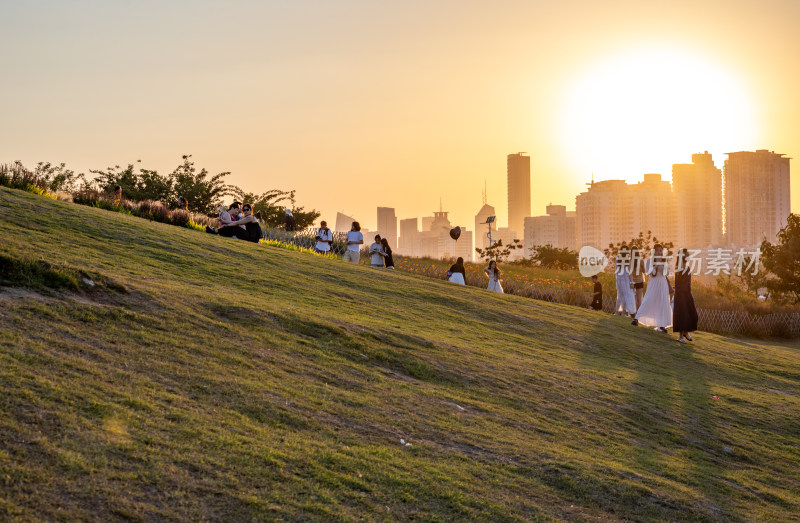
666, 419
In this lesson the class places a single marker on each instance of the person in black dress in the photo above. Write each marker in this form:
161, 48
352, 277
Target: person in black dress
684, 313
597, 295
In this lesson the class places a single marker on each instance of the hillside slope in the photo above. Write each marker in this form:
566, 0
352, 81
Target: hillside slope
206, 378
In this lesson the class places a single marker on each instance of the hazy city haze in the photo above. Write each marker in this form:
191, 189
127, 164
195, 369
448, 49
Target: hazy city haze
364, 104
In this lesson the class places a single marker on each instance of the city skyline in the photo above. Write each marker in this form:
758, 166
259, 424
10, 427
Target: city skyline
409, 103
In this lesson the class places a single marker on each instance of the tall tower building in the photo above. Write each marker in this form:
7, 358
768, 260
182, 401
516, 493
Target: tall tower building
756, 196
387, 225
519, 191
698, 197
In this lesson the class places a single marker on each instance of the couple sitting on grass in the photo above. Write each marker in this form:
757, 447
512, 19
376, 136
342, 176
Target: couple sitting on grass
234, 223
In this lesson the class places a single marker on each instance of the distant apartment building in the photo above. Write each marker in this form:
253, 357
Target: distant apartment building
557, 229
653, 209
343, 222
450, 248
757, 197
603, 214
518, 168
697, 187
482, 228
387, 225
408, 242
612, 211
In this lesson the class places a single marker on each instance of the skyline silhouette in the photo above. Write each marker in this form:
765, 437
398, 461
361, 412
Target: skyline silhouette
353, 102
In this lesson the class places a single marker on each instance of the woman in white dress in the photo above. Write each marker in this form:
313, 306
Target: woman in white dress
494, 277
457, 273
626, 301
655, 310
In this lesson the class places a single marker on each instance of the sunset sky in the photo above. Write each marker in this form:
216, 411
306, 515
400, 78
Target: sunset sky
359, 104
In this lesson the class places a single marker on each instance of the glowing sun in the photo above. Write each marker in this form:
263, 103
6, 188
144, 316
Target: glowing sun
644, 111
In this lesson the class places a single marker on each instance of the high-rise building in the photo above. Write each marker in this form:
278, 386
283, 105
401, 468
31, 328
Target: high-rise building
698, 197
408, 243
519, 191
387, 225
450, 248
603, 214
653, 209
612, 211
557, 229
427, 222
343, 222
482, 228
757, 197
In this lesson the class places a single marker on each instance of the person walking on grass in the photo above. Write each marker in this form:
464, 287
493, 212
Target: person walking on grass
637, 279
376, 251
626, 302
387, 254
354, 240
656, 310
684, 314
494, 277
324, 238
457, 274
597, 294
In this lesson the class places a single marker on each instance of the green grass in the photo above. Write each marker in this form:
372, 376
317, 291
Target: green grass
208, 378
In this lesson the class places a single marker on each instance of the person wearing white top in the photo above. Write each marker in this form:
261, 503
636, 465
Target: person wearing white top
354, 240
626, 299
655, 310
376, 251
494, 277
324, 238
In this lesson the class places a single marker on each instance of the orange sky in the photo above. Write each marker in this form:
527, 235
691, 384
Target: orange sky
359, 104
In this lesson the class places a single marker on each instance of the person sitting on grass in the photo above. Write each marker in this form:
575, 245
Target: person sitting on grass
376, 250
252, 230
227, 222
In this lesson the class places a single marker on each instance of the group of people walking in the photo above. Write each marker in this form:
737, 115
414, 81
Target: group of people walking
655, 308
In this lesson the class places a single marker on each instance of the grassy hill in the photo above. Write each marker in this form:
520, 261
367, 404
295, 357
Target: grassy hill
207, 378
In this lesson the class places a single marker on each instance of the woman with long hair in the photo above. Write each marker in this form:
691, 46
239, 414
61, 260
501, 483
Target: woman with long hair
388, 261
494, 277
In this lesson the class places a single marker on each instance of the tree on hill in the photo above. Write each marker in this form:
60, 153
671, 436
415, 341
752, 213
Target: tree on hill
204, 194
497, 251
643, 243
782, 260
272, 204
554, 257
